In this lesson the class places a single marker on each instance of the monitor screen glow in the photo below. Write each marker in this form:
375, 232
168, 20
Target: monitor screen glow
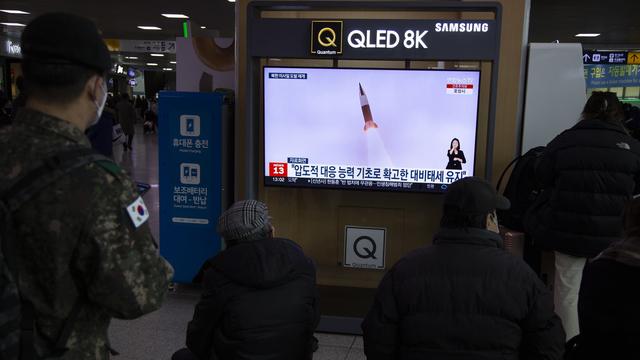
395, 130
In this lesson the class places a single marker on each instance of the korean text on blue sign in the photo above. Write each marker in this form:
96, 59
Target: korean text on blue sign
604, 76
190, 179
605, 57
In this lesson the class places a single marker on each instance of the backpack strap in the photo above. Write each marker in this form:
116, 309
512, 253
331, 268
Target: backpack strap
506, 170
55, 167
518, 158
19, 192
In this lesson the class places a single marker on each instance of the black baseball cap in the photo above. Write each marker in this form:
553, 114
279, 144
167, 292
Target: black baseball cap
475, 195
66, 38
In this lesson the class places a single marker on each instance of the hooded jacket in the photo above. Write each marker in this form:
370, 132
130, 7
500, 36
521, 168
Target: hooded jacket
259, 301
589, 172
464, 298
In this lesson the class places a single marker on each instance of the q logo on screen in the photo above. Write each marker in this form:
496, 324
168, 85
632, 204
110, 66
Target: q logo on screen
326, 37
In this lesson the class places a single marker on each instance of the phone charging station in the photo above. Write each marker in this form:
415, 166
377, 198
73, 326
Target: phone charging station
194, 151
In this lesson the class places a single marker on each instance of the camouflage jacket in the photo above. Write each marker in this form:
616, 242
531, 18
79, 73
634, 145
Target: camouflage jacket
76, 241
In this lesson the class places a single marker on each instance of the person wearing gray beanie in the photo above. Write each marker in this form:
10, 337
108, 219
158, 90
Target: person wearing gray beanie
245, 221
259, 296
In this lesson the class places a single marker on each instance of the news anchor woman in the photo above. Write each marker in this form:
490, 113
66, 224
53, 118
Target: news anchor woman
456, 156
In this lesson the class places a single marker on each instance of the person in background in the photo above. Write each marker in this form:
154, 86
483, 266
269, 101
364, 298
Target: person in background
589, 172
632, 120
21, 100
81, 253
5, 116
464, 297
610, 294
101, 134
127, 118
139, 106
110, 107
151, 118
259, 298
135, 102
144, 104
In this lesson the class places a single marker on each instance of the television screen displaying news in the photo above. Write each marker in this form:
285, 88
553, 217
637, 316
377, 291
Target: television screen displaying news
396, 130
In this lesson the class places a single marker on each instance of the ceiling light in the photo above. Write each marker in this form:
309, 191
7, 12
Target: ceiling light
232, 0
167, 69
172, 62
175, 16
12, 24
149, 28
131, 57
587, 35
15, 12
157, 55
203, 27
152, 64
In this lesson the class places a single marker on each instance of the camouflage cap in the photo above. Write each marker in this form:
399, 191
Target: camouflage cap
246, 220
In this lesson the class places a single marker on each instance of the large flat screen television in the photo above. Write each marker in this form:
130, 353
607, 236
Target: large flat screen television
396, 130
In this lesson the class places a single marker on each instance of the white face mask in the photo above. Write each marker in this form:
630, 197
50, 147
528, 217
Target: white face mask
100, 104
492, 223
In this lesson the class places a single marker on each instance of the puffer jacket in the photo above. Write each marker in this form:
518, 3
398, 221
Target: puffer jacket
464, 298
259, 301
608, 311
589, 172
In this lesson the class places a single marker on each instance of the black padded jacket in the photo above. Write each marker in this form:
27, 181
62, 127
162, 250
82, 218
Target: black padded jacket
464, 298
608, 311
589, 172
259, 301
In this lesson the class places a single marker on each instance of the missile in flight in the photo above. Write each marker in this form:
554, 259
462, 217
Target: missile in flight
366, 111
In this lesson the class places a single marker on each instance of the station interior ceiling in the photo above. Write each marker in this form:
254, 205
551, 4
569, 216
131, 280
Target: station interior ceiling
551, 20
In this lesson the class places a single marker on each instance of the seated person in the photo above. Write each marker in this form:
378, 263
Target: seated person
259, 297
609, 296
464, 297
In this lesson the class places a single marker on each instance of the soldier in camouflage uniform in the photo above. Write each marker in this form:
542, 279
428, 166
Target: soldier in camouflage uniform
78, 245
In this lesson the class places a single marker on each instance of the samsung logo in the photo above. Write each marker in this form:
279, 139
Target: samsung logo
462, 27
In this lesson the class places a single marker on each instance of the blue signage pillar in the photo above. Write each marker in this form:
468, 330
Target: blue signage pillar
190, 157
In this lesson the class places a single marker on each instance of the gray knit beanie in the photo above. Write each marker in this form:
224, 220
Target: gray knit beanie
245, 221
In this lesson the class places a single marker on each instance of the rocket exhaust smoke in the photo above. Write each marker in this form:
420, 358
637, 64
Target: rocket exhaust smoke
376, 152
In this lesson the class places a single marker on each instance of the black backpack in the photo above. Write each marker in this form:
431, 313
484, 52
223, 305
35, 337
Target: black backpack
17, 316
521, 189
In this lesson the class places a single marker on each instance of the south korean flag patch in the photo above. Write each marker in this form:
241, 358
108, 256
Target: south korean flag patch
138, 212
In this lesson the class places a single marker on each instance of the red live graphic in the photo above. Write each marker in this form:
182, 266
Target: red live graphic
278, 169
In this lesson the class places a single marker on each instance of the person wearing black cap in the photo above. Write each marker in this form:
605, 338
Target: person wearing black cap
464, 297
259, 298
81, 246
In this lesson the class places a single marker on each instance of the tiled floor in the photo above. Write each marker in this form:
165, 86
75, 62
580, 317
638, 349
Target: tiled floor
158, 335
